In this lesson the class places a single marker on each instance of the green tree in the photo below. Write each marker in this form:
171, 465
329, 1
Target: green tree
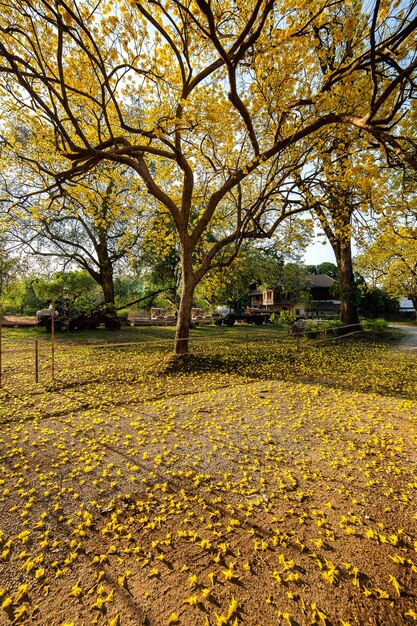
390, 260
10, 268
255, 266
77, 290
324, 268
94, 224
375, 302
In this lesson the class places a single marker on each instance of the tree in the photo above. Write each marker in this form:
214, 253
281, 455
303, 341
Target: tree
209, 103
159, 261
77, 290
94, 223
21, 299
253, 267
10, 268
334, 195
294, 282
323, 268
376, 302
392, 256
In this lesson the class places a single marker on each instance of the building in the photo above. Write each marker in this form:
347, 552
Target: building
320, 302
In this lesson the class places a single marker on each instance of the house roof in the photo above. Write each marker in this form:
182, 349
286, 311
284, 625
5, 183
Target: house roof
313, 280
320, 280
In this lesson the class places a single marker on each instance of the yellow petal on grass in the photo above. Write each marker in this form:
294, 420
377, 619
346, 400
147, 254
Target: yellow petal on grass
98, 604
21, 592
192, 581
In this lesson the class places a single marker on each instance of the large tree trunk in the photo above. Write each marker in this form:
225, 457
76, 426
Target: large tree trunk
348, 304
107, 283
186, 302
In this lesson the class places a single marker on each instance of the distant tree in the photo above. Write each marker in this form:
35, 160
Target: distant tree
75, 289
93, 224
328, 268
375, 302
294, 283
10, 267
392, 257
323, 268
254, 267
127, 287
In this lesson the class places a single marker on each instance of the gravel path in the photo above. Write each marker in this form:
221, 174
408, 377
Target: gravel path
409, 341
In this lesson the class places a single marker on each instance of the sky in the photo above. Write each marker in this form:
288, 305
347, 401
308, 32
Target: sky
318, 252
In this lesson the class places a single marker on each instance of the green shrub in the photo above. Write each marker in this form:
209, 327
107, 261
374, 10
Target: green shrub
378, 325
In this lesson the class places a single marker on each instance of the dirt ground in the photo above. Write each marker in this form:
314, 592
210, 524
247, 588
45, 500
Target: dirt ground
209, 500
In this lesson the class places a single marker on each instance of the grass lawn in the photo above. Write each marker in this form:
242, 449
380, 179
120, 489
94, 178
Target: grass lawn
252, 484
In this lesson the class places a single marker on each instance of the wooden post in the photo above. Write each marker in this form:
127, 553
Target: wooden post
1, 372
36, 361
53, 340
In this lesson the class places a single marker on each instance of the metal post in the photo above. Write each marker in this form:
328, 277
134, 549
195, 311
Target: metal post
36, 361
247, 346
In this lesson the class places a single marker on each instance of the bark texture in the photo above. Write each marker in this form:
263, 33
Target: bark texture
348, 305
188, 284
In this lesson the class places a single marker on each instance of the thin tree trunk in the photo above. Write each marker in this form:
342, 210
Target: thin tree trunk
348, 304
413, 299
186, 302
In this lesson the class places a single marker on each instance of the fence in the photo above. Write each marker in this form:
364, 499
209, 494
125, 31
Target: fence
42, 360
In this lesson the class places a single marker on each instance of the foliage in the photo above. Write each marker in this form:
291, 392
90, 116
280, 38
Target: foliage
390, 259
283, 318
94, 225
159, 262
323, 268
376, 325
215, 107
22, 299
376, 302
127, 287
11, 267
76, 289
294, 283
254, 266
